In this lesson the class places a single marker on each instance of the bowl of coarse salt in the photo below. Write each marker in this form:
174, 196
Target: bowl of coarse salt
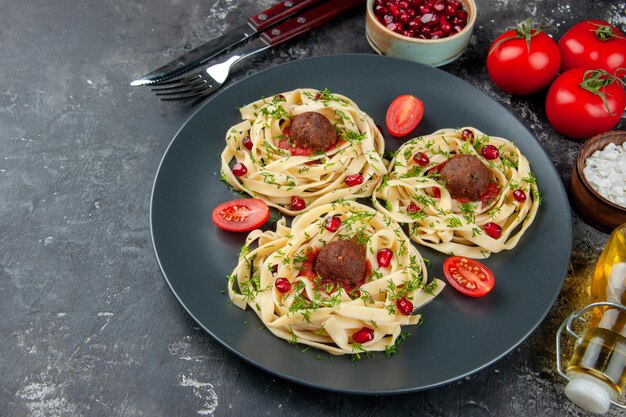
599, 181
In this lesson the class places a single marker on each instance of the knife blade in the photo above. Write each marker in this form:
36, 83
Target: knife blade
206, 51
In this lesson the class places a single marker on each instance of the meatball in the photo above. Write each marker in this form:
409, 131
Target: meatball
466, 177
341, 262
313, 131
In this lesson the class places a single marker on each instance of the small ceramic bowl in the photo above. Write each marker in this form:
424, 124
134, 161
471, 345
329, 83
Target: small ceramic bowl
433, 52
596, 210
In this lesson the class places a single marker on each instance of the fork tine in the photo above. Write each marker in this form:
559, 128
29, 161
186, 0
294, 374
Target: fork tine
177, 83
185, 90
202, 91
189, 83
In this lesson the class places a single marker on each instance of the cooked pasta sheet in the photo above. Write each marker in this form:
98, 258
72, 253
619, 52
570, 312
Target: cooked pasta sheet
276, 171
416, 194
324, 316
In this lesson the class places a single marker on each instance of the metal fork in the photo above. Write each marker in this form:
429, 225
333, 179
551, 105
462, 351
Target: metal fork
208, 81
212, 78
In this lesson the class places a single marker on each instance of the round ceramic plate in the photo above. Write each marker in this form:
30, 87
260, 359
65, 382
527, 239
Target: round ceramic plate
460, 335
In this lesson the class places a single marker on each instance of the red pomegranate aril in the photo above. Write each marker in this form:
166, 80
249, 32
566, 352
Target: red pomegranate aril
384, 257
380, 10
457, 21
445, 27
436, 34
428, 18
404, 18
404, 306
387, 19
493, 230
439, 6
467, 134
352, 180
363, 336
461, 14
239, 169
393, 26
297, 203
282, 284
415, 24
457, 28
412, 208
490, 152
436, 192
425, 31
519, 195
332, 223
394, 10
247, 142
421, 159
450, 10
403, 4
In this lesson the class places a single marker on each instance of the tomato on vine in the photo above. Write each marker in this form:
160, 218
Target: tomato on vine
593, 44
523, 60
582, 103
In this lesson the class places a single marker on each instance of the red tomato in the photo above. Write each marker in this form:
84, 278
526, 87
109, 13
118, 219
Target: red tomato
468, 276
523, 61
593, 44
241, 215
404, 114
578, 113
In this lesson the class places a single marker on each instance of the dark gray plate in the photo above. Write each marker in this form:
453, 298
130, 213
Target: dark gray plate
460, 335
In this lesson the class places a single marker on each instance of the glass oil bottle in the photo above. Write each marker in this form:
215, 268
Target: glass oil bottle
597, 370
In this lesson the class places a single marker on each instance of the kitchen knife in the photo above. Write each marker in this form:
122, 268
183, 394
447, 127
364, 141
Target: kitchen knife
206, 51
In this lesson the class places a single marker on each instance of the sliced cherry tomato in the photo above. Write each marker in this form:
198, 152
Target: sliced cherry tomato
524, 60
241, 215
468, 276
593, 44
404, 114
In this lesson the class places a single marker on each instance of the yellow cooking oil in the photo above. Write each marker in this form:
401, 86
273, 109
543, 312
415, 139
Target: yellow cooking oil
601, 352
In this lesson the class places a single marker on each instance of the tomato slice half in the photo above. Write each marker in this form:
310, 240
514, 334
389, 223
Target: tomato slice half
403, 115
468, 276
241, 215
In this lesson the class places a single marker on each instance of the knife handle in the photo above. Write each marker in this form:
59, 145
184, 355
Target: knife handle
307, 21
279, 12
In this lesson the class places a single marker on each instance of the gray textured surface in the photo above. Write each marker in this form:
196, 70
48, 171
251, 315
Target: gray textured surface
88, 327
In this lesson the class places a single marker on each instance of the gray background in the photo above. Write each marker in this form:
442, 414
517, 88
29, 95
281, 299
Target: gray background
88, 326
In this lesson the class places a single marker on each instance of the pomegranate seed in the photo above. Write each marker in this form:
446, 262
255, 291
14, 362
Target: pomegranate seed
404, 306
461, 14
467, 134
394, 10
404, 18
445, 27
297, 203
412, 208
439, 6
429, 19
490, 152
423, 9
318, 96
247, 142
387, 19
352, 180
421, 159
281, 97
457, 22
493, 230
380, 10
332, 223
364, 335
415, 24
457, 28
239, 169
450, 9
436, 34
282, 284
436, 192
519, 195
384, 257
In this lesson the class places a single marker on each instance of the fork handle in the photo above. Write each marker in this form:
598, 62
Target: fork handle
307, 21
279, 12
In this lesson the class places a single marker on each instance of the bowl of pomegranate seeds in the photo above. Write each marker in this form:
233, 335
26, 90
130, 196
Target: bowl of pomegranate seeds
432, 32
599, 181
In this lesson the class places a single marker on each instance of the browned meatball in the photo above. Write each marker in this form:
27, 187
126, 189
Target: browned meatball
341, 262
466, 177
313, 131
